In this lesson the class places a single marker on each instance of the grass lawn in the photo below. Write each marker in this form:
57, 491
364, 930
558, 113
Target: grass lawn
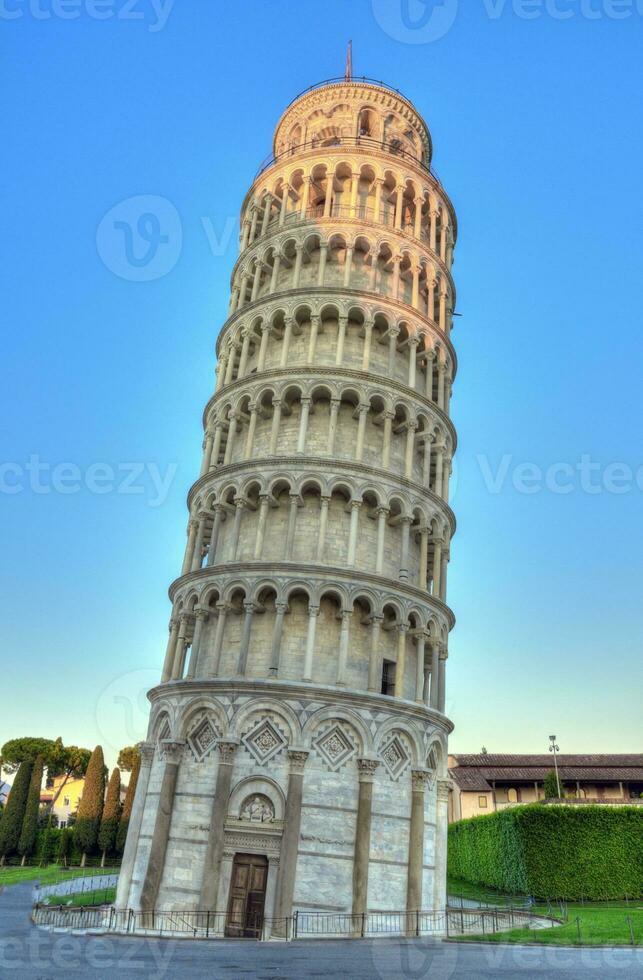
100, 896
587, 925
50, 875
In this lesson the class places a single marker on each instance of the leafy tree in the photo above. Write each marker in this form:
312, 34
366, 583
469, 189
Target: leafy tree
11, 823
29, 830
127, 757
111, 816
550, 786
121, 836
90, 809
68, 761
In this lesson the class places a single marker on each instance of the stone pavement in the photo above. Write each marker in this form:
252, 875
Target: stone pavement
28, 953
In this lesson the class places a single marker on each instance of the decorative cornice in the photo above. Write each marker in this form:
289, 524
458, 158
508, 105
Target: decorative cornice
321, 463
262, 688
337, 293
312, 571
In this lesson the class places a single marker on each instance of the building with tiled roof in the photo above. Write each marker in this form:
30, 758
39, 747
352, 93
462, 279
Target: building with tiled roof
485, 782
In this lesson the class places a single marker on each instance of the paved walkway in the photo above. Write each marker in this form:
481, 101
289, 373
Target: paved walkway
28, 953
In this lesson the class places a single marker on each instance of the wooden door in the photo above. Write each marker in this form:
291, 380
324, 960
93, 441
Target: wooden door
247, 895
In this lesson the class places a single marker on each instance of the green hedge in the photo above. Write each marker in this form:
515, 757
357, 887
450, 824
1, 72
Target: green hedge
568, 852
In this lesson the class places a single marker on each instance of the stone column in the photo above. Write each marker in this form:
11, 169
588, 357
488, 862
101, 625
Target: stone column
292, 525
437, 565
169, 652
285, 344
344, 637
430, 358
231, 360
415, 290
441, 833
363, 411
368, 336
442, 681
232, 431
433, 228
261, 524
222, 608
323, 258
216, 835
197, 555
393, 334
375, 661
341, 336
401, 659
444, 562
284, 205
312, 343
443, 307
417, 227
313, 613
299, 254
419, 779
275, 655
244, 646
386, 442
419, 676
274, 275
439, 464
239, 504
424, 558
189, 549
303, 426
134, 828
253, 222
330, 180
222, 369
348, 266
397, 259
179, 652
361, 858
410, 445
200, 615
435, 670
382, 514
304, 197
413, 352
276, 422
265, 218
263, 347
245, 347
332, 424
405, 523
250, 438
171, 752
352, 534
323, 523
214, 537
290, 839
426, 461
399, 201
207, 453
216, 448
446, 473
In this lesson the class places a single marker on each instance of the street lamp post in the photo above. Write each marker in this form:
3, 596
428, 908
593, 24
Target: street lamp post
554, 748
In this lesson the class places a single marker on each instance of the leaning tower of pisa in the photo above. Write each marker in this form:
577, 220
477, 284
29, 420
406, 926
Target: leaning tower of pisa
296, 756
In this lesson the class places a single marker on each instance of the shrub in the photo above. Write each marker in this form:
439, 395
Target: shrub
567, 852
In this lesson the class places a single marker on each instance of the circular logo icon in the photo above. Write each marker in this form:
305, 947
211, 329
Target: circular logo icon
122, 710
140, 238
415, 21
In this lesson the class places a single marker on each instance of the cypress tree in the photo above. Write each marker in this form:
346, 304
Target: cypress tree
65, 842
111, 816
121, 836
90, 809
29, 830
14, 811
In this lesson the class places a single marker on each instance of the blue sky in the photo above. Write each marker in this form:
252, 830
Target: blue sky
536, 123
